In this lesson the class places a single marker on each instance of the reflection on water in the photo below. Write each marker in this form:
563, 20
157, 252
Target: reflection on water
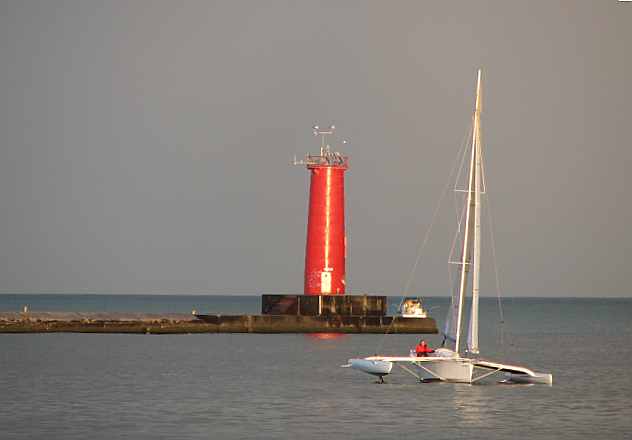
325, 336
470, 403
234, 386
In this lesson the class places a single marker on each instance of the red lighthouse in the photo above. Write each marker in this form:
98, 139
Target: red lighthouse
325, 250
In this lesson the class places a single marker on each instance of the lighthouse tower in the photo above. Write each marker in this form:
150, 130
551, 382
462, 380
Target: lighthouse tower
325, 250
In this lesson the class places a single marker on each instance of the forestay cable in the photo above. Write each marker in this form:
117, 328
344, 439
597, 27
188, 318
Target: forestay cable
422, 244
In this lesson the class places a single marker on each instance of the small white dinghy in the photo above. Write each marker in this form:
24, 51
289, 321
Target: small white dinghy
449, 364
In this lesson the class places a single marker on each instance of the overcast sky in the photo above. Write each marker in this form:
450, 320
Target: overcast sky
145, 146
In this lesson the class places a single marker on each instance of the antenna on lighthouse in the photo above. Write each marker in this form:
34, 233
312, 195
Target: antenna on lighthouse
326, 157
324, 146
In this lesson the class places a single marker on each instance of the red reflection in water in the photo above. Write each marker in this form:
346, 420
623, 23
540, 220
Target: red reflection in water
326, 336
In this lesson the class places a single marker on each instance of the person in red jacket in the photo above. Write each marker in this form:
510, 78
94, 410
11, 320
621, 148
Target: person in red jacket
422, 349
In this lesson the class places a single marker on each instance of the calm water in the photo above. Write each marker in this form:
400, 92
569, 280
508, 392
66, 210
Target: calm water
71, 386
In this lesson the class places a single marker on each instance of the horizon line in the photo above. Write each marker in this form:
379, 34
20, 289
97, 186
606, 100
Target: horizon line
241, 294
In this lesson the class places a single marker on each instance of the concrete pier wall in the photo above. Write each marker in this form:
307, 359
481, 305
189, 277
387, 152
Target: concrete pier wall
318, 324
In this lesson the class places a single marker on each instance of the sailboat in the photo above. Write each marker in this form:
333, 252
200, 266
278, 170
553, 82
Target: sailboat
459, 364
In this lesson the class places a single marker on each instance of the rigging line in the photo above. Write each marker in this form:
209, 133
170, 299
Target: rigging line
463, 154
493, 248
423, 243
492, 241
456, 239
453, 282
495, 264
459, 213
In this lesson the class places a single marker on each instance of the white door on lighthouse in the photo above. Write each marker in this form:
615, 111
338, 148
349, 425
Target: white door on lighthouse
325, 282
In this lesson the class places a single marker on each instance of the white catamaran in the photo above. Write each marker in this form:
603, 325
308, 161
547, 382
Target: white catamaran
457, 365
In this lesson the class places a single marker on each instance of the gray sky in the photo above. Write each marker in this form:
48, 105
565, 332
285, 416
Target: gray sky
145, 145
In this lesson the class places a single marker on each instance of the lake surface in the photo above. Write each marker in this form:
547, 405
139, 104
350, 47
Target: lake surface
235, 386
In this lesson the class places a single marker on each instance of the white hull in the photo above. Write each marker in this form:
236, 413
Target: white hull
452, 370
447, 366
444, 368
543, 378
374, 367
414, 315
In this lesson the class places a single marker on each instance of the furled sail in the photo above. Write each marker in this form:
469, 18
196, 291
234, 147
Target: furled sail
449, 331
472, 335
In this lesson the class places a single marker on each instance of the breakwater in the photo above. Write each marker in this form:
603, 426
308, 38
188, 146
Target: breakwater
147, 323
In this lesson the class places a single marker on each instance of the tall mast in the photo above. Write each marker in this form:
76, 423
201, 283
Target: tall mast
471, 203
476, 145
